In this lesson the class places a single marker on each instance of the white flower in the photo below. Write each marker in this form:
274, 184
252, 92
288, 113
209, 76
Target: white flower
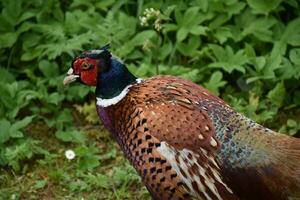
144, 21
146, 45
70, 154
157, 24
151, 16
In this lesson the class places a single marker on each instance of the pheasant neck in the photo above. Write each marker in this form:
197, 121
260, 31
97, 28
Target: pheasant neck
113, 85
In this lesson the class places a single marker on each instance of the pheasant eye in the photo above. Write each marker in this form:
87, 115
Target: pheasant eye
85, 66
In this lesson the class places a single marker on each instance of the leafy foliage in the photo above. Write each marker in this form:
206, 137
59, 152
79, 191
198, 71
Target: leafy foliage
247, 52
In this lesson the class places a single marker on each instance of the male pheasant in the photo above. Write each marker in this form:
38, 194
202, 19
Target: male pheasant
185, 142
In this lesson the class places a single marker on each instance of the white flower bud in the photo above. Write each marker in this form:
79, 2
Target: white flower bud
70, 154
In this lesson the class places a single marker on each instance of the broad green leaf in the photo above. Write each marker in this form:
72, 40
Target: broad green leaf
291, 123
291, 33
235, 7
190, 17
192, 75
8, 39
165, 50
182, 34
272, 63
203, 4
22, 123
295, 56
287, 70
40, 184
249, 51
227, 60
219, 21
4, 130
277, 94
55, 98
215, 82
16, 134
140, 38
26, 16
189, 49
169, 27
88, 162
7, 77
223, 34
64, 136
88, 158
178, 16
48, 69
278, 49
264, 6
259, 63
260, 28
70, 136
198, 30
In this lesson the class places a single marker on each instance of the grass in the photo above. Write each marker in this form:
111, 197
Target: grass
55, 177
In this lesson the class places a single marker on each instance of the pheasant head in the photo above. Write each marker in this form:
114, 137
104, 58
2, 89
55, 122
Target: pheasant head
86, 67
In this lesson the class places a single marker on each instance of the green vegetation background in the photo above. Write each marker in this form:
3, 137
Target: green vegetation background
247, 52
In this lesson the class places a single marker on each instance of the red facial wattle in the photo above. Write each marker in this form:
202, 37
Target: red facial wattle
87, 76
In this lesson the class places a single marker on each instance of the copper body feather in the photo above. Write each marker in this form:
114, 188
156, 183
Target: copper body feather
177, 135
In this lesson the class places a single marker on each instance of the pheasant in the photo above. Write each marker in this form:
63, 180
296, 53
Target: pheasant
185, 142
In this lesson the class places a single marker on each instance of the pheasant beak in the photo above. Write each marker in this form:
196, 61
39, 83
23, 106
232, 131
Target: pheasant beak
71, 77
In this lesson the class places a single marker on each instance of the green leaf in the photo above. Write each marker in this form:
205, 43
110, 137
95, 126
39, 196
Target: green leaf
140, 38
26, 16
8, 39
22, 123
165, 50
277, 94
198, 30
7, 77
190, 48
16, 134
260, 28
88, 158
55, 98
40, 184
190, 17
215, 82
169, 27
265, 6
178, 16
291, 33
18, 125
295, 56
70, 136
182, 34
48, 69
203, 4
291, 123
223, 34
227, 60
4, 130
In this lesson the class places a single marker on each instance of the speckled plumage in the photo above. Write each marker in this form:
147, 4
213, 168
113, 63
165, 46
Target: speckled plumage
188, 118
187, 143
151, 113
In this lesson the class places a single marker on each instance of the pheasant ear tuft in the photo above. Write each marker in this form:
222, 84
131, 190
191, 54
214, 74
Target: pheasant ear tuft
105, 47
104, 56
103, 53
